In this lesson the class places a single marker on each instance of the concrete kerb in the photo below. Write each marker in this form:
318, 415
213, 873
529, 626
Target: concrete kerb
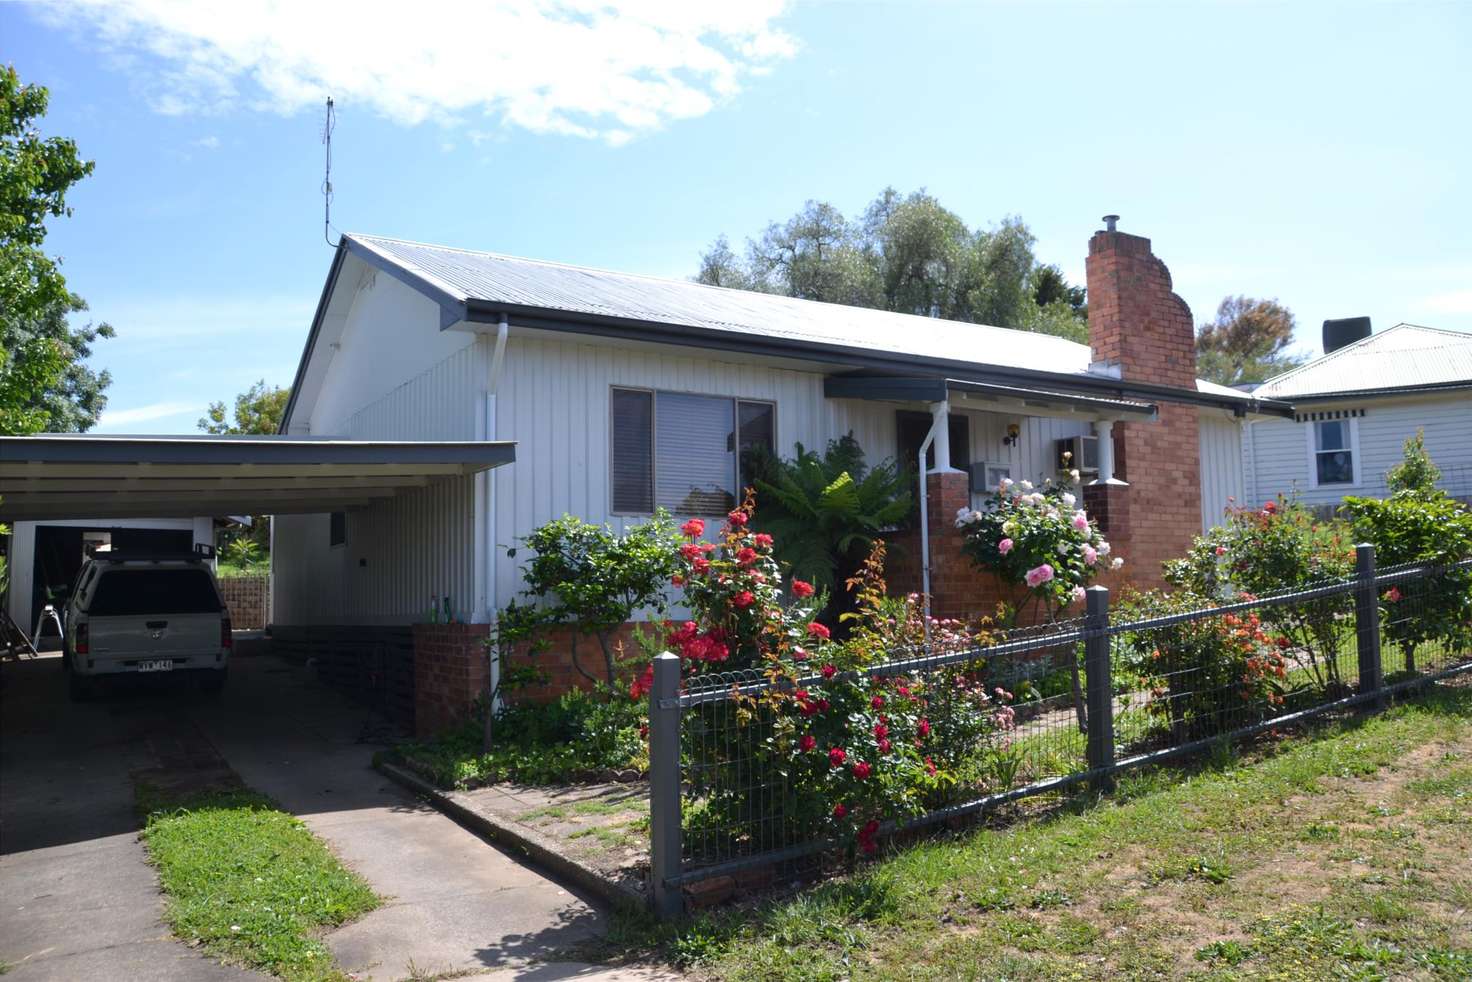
537, 848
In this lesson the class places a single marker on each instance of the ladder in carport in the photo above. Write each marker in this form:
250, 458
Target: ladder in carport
16, 643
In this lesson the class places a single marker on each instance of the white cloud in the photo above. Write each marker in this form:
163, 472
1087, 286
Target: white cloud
607, 70
1453, 302
207, 143
146, 414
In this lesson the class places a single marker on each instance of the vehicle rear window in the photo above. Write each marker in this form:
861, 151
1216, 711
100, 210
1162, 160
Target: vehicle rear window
154, 591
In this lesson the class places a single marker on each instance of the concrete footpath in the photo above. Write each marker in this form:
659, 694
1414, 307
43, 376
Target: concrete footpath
75, 885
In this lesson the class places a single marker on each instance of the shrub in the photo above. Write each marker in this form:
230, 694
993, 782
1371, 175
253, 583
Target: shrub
825, 511
1416, 471
591, 579
1041, 546
835, 750
1038, 542
575, 737
1276, 548
1203, 676
1418, 525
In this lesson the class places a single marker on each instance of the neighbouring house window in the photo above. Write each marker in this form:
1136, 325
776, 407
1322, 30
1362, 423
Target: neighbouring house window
1333, 451
337, 528
688, 453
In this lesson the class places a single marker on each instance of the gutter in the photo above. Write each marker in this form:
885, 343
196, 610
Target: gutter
635, 329
1428, 388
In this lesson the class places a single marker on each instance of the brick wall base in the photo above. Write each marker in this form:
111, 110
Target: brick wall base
555, 661
372, 665
248, 599
450, 673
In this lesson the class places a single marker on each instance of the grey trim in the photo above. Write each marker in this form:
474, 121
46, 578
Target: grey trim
452, 307
316, 328
889, 388
631, 329
1429, 388
249, 450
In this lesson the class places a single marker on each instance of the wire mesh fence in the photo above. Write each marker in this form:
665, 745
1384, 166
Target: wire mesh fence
772, 768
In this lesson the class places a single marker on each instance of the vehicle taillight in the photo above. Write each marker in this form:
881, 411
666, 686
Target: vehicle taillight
225, 639
80, 644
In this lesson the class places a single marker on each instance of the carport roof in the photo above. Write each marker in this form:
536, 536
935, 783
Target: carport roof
82, 476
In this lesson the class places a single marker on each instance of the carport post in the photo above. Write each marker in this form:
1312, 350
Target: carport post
664, 787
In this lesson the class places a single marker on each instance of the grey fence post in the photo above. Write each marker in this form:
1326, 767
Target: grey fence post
1367, 621
1100, 690
664, 787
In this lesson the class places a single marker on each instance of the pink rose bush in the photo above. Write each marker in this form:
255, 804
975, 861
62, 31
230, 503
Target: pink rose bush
836, 751
1038, 541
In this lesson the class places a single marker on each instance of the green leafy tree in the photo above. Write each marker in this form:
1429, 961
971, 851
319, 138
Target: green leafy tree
1416, 471
71, 397
1246, 342
910, 254
592, 579
35, 174
826, 510
258, 410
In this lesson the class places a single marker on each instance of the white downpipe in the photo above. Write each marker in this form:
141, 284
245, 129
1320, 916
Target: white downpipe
488, 502
939, 423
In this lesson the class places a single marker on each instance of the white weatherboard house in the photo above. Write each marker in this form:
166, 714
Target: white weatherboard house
625, 393
1356, 407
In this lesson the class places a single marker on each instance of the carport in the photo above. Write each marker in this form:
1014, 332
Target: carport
54, 478
59, 476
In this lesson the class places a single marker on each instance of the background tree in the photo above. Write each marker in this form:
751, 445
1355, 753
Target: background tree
258, 410
910, 254
1247, 341
39, 356
74, 395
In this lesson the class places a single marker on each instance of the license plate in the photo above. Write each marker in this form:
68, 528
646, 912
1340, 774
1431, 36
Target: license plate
157, 665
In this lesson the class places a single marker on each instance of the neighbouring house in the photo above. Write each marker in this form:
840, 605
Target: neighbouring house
626, 393
1355, 408
46, 555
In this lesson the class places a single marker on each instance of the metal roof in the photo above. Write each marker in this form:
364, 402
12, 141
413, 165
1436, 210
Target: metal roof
1406, 358
56, 476
483, 286
530, 283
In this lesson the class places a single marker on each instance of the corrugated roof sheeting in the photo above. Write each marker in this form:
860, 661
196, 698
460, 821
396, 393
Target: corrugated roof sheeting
1405, 356
496, 278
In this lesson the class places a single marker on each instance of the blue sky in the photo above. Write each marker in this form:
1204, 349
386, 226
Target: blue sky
1313, 153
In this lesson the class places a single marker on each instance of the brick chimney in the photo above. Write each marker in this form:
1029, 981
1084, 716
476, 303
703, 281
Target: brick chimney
1140, 328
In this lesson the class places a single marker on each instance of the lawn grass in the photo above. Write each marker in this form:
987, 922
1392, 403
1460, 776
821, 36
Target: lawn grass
248, 882
1340, 854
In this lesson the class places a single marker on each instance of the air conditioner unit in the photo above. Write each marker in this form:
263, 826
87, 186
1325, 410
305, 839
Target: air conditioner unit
1085, 454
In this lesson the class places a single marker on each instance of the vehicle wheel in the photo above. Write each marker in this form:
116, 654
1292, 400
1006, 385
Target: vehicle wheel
214, 681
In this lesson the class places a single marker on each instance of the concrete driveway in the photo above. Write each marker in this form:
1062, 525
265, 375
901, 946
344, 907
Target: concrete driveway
79, 901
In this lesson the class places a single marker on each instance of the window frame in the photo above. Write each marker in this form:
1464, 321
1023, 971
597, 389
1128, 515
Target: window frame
654, 440
1312, 443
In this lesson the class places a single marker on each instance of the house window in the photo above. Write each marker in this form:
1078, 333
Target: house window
688, 453
1333, 458
337, 528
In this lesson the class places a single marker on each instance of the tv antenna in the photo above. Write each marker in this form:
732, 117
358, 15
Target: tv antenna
327, 126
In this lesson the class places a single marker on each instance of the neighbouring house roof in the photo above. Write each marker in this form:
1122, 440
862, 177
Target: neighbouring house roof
61, 476
1404, 359
483, 287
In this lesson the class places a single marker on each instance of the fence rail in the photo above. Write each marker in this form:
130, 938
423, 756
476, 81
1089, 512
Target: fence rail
728, 796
